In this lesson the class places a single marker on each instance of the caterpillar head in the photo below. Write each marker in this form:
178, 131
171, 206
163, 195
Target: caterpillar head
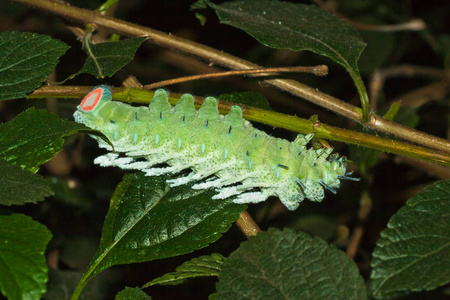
316, 170
95, 99
91, 104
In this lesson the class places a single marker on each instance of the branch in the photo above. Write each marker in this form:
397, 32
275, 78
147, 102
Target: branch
247, 225
293, 123
352, 112
320, 70
412, 25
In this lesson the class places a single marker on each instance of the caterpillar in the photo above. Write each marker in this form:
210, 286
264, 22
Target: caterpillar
224, 152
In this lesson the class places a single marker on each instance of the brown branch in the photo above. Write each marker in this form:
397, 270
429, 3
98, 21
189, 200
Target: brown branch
365, 206
379, 78
292, 123
247, 225
440, 172
434, 91
311, 94
413, 25
191, 64
410, 71
320, 70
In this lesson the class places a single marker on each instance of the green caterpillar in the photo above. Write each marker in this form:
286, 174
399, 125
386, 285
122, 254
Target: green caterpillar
224, 152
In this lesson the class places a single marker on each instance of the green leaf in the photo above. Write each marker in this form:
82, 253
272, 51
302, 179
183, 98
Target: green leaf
288, 265
105, 59
284, 25
18, 186
23, 271
26, 59
34, 137
147, 220
247, 98
203, 266
132, 294
413, 253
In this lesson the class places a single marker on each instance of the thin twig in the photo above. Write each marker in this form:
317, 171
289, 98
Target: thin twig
412, 25
410, 71
379, 77
440, 172
365, 206
320, 70
193, 65
434, 91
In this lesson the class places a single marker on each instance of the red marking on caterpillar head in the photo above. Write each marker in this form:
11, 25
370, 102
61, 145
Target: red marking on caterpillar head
92, 99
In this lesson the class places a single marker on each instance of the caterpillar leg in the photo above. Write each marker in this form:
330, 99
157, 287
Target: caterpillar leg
238, 189
254, 197
192, 177
218, 183
137, 165
181, 180
162, 171
112, 160
126, 163
227, 192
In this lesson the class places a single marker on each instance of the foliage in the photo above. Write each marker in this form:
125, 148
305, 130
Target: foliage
27, 60
413, 253
24, 271
151, 229
207, 265
19, 186
298, 267
103, 62
132, 294
34, 137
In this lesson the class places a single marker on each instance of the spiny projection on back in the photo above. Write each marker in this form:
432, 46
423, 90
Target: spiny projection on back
224, 152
